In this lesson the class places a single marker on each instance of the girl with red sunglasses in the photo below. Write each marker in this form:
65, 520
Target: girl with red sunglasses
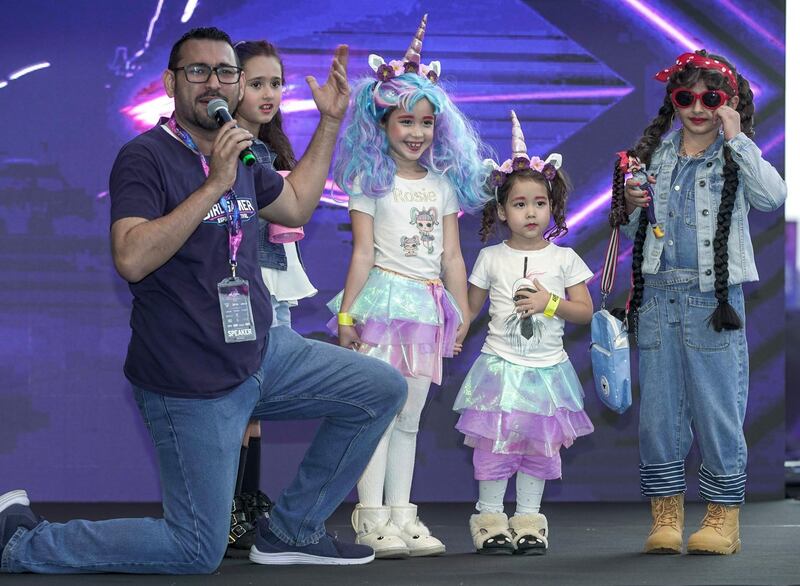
687, 306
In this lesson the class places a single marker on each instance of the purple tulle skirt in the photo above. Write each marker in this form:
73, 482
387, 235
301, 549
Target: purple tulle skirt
408, 323
507, 408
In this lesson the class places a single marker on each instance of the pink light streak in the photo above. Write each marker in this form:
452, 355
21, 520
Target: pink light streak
576, 219
670, 29
549, 95
754, 24
146, 114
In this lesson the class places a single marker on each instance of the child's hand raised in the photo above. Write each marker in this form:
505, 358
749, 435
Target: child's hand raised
529, 302
731, 121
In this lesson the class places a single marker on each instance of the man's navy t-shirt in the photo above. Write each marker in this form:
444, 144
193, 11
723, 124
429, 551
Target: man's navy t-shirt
177, 344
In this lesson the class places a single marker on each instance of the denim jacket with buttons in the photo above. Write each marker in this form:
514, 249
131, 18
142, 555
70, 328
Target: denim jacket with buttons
760, 186
270, 254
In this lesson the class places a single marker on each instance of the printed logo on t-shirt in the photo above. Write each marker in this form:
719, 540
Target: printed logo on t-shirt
425, 220
524, 333
217, 215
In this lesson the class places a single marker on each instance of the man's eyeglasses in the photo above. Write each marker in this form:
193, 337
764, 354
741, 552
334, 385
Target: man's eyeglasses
201, 73
711, 99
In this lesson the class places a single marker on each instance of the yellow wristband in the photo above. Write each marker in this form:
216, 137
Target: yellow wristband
552, 305
345, 319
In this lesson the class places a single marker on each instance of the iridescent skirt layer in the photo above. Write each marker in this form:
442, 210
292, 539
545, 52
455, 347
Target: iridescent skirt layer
511, 409
408, 323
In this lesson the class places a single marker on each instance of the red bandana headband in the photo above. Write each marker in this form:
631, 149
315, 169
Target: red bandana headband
701, 63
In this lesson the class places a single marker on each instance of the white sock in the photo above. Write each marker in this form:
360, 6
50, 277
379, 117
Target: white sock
529, 494
490, 495
403, 443
370, 485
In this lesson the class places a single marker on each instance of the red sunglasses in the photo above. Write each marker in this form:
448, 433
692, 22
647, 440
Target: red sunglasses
711, 99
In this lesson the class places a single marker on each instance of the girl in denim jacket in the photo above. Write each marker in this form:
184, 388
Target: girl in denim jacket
687, 305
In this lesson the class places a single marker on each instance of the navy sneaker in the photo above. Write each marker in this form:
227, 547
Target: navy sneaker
270, 550
15, 512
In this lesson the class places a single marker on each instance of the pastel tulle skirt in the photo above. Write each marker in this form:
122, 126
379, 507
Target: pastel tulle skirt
406, 322
511, 409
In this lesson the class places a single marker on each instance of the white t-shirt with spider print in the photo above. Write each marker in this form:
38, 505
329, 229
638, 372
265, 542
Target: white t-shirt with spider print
407, 224
503, 270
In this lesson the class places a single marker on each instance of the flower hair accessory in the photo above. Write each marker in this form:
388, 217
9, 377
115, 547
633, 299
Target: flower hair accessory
410, 63
700, 62
521, 161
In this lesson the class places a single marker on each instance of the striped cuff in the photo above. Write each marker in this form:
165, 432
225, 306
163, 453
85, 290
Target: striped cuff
726, 490
662, 479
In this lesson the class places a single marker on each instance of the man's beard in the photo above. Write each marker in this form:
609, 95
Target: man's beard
200, 115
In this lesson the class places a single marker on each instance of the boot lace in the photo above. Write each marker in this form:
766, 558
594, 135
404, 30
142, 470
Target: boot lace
667, 512
715, 516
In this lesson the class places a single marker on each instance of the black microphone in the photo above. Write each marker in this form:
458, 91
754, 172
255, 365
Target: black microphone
218, 110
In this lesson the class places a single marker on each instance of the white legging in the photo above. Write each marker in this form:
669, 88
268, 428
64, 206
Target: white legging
529, 494
391, 468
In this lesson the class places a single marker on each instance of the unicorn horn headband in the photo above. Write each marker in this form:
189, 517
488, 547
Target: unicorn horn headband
411, 62
521, 161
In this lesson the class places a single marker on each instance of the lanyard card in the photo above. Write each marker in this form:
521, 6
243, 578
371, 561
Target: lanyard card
237, 314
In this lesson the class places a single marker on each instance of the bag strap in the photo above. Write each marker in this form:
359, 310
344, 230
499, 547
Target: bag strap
609, 266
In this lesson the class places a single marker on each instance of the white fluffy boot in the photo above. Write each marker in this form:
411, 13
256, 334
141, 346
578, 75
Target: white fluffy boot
491, 534
530, 533
374, 527
414, 533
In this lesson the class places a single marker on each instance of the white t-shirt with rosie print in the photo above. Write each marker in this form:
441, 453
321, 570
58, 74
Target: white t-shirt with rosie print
408, 230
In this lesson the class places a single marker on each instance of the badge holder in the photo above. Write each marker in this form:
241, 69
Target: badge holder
237, 312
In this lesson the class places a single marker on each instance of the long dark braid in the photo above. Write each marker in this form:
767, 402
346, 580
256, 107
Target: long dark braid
618, 216
724, 316
644, 149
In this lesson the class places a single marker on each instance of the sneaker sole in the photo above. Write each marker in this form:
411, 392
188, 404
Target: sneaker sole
15, 497
292, 558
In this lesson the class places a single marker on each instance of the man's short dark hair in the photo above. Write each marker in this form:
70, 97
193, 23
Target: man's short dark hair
208, 33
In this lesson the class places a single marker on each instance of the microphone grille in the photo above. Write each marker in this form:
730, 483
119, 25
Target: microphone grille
215, 105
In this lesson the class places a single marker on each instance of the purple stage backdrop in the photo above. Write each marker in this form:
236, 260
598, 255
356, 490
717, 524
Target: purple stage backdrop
79, 79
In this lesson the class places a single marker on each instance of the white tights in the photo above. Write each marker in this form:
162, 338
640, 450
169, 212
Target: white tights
529, 494
391, 468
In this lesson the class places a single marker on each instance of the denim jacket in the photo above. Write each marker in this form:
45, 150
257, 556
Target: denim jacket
760, 186
270, 255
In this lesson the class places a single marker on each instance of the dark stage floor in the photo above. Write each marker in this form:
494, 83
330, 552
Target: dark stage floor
596, 544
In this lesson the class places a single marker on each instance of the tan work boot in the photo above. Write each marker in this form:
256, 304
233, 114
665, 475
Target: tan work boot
719, 532
666, 534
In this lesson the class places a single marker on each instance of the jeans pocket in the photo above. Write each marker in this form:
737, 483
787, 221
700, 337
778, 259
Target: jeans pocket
648, 332
699, 333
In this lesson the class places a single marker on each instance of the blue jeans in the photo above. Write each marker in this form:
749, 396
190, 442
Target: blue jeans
691, 376
281, 313
197, 443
